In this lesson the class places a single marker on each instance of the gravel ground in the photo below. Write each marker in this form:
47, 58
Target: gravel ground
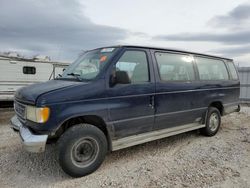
186, 160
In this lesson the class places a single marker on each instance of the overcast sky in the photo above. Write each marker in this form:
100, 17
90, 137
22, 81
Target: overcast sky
61, 29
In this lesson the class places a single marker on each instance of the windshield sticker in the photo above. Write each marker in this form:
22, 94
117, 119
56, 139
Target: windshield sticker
103, 58
107, 50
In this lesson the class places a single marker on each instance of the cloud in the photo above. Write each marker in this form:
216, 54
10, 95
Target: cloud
231, 31
57, 28
241, 37
238, 18
233, 51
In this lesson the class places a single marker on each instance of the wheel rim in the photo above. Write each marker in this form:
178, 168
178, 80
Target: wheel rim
84, 152
213, 121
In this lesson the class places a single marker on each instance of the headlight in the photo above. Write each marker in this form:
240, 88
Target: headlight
38, 115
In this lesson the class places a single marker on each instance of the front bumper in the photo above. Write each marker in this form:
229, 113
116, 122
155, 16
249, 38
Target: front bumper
31, 142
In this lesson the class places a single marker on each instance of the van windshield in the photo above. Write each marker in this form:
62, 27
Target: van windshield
88, 65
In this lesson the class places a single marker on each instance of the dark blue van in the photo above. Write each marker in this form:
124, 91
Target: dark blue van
116, 97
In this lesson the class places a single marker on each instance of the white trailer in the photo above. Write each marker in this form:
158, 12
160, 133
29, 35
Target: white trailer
19, 72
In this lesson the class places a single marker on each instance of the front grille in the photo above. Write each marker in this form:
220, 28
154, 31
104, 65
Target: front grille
20, 109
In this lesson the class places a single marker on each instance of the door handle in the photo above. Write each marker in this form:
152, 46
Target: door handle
152, 102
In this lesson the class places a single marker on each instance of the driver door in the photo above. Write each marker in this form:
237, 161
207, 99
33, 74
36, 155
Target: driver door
131, 108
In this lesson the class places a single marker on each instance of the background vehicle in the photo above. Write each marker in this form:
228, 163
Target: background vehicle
18, 72
115, 97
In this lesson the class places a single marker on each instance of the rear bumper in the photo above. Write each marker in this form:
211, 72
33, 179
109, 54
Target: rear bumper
31, 142
231, 107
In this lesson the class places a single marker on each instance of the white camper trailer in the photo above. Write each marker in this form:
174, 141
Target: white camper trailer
16, 72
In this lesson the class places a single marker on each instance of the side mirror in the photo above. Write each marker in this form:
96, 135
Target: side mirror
120, 77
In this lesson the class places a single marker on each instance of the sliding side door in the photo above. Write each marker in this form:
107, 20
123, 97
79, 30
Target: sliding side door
175, 99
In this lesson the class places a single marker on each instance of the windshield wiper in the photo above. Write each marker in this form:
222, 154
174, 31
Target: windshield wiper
75, 75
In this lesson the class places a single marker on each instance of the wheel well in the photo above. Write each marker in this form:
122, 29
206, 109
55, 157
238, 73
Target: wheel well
218, 105
89, 119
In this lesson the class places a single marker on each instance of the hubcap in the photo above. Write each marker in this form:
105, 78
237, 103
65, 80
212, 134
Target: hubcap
84, 152
213, 121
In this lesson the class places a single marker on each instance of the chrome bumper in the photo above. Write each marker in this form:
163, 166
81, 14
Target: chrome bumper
31, 142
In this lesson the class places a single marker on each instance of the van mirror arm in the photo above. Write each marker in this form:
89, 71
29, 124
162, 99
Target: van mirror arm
112, 81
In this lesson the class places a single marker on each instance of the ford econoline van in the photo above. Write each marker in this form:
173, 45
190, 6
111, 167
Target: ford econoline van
116, 97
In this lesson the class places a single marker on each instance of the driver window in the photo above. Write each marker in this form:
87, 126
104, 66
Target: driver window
135, 64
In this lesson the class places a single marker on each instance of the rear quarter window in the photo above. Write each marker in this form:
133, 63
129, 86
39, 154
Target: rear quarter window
232, 70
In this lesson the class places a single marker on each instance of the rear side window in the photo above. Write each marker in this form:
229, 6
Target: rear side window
232, 71
211, 69
175, 67
135, 64
29, 70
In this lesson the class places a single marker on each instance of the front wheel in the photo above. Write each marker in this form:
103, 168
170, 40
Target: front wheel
82, 149
212, 122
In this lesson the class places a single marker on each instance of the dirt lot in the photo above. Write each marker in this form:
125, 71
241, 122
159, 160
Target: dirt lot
186, 160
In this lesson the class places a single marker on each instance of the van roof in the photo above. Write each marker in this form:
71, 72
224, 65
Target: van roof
167, 49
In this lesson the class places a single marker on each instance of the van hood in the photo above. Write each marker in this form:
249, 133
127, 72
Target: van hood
30, 93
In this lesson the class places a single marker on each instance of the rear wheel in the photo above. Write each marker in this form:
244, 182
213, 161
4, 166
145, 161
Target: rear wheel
82, 149
212, 122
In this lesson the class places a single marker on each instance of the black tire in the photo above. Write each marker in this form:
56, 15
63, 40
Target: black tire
81, 150
212, 125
